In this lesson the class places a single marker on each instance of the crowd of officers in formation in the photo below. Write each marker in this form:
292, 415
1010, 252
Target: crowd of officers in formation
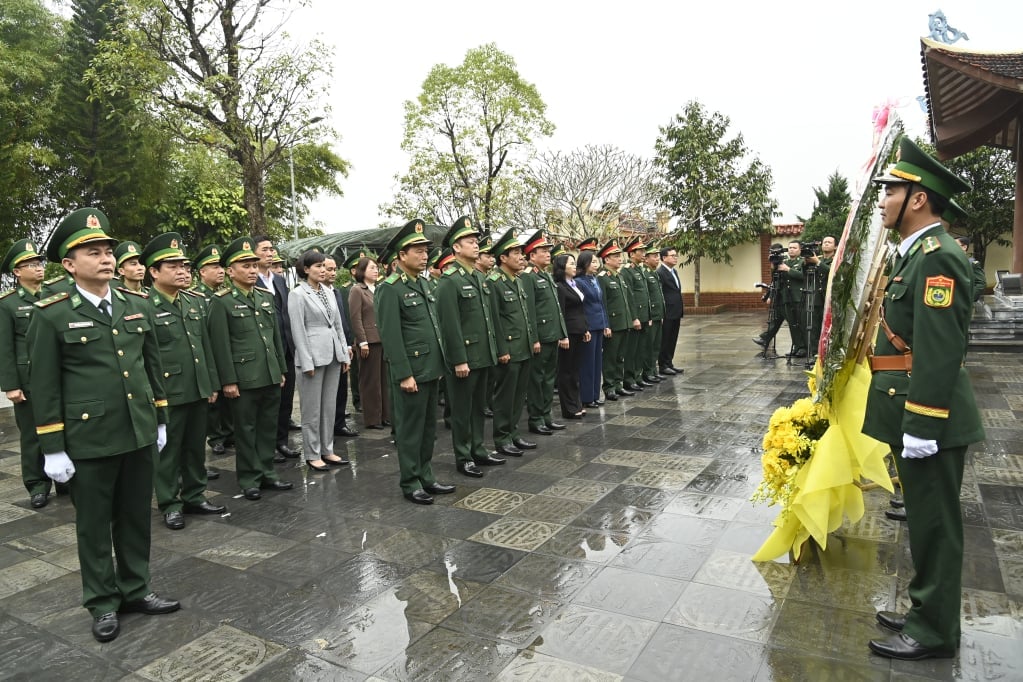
117, 389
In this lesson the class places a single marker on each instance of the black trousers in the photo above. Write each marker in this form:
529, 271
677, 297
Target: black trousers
287, 400
669, 340
569, 361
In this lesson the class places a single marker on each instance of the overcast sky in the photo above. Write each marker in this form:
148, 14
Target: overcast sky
799, 80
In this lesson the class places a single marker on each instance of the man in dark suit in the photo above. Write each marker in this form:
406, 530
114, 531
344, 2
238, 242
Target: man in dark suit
277, 286
671, 287
341, 427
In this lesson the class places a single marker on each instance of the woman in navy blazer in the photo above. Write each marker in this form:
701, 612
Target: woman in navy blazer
591, 364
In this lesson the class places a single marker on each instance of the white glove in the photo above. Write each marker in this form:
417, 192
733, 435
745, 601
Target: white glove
917, 448
161, 437
59, 467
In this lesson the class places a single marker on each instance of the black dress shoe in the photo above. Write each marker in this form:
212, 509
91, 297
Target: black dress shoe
419, 497
541, 430
905, 648
487, 412
646, 384
652, 379
678, 370
204, 507
439, 488
488, 461
625, 393
523, 444
39, 500
339, 462
290, 453
152, 605
174, 520
592, 406
375, 427
106, 627
347, 432
218, 449
760, 341
276, 485
279, 458
612, 396
212, 475
667, 372
891, 620
292, 426
577, 415
800, 353
897, 502
387, 423
316, 467
896, 514
509, 450
468, 469
252, 494
555, 426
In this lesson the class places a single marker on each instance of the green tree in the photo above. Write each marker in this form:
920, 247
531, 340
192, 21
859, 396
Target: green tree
471, 128
830, 210
721, 199
989, 205
223, 75
29, 43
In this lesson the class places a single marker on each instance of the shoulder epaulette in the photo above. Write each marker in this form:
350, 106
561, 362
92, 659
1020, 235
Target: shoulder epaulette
192, 293
50, 300
450, 270
6, 293
54, 280
931, 244
222, 292
265, 291
392, 278
126, 290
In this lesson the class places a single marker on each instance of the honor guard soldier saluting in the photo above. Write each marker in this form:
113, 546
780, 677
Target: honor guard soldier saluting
470, 351
16, 307
920, 400
410, 334
545, 313
620, 320
249, 356
190, 379
100, 413
517, 343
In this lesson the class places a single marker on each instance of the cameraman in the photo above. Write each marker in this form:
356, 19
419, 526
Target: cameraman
788, 293
821, 266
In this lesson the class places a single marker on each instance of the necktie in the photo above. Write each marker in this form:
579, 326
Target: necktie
104, 307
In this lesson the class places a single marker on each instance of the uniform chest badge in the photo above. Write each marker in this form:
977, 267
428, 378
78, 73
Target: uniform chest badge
163, 314
938, 292
79, 325
136, 316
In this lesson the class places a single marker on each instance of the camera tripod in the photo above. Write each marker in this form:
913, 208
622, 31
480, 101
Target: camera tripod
774, 318
809, 310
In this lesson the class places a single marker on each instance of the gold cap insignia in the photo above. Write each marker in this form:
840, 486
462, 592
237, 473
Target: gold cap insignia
246, 247
29, 247
92, 221
131, 248
419, 228
214, 252
468, 223
174, 243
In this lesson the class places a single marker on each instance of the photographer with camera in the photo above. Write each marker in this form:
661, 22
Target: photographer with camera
816, 269
787, 292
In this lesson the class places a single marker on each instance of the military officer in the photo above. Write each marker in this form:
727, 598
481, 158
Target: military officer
517, 343
25, 262
634, 276
652, 259
410, 334
620, 320
470, 350
351, 377
130, 269
588, 244
484, 264
99, 405
249, 355
219, 430
546, 315
190, 378
920, 401
979, 278
821, 265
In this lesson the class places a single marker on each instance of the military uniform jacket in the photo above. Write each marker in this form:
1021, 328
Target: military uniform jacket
62, 283
188, 371
409, 327
791, 282
463, 303
245, 338
97, 380
16, 307
205, 292
616, 301
513, 328
927, 302
542, 304
656, 294
639, 299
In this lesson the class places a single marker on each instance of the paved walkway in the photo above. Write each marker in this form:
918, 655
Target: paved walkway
618, 550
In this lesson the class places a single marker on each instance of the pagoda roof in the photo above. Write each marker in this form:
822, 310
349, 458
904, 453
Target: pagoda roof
974, 98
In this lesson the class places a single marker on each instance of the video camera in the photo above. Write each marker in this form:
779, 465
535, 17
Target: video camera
809, 249
776, 256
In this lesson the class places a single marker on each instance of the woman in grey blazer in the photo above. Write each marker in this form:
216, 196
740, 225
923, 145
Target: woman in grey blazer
321, 355
376, 412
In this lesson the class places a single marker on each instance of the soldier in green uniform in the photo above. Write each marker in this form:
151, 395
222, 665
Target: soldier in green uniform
920, 401
249, 355
99, 406
979, 278
620, 320
634, 277
545, 312
190, 379
130, 269
517, 343
790, 297
484, 264
821, 265
25, 262
410, 334
470, 350
219, 429
652, 259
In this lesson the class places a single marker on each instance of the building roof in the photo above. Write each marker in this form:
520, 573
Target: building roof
973, 97
787, 229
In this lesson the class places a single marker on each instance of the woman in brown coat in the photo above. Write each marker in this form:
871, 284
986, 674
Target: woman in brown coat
372, 377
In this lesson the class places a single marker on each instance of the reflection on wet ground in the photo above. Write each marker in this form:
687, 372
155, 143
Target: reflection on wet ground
617, 550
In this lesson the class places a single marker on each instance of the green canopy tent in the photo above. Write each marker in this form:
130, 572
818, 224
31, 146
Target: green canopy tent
341, 243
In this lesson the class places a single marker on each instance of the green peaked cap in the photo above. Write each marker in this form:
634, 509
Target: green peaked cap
915, 165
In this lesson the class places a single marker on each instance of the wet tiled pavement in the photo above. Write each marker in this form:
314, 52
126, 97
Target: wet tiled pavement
617, 550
